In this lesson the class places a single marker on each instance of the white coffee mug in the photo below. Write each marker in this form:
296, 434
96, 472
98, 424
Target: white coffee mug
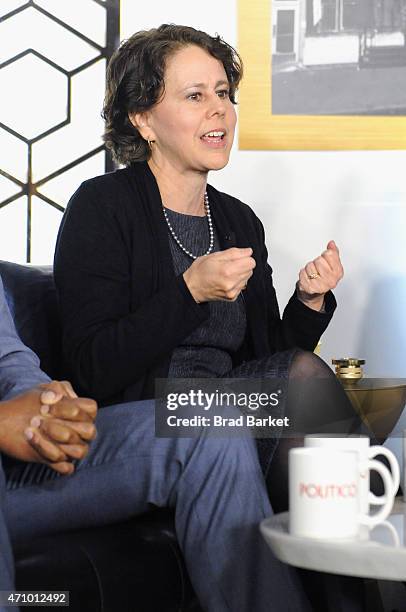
324, 493
360, 444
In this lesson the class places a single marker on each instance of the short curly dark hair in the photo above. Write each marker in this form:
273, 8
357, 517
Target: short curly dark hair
135, 81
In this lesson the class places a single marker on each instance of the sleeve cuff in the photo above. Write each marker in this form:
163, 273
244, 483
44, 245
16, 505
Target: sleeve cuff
202, 309
330, 304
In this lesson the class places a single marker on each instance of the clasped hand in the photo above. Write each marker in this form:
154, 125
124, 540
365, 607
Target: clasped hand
48, 424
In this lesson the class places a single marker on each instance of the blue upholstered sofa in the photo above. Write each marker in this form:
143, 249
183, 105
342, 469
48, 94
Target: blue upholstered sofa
133, 566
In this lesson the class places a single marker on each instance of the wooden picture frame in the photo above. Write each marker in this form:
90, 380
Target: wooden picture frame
259, 129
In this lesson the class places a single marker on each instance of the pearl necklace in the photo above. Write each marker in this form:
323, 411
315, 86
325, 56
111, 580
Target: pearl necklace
211, 232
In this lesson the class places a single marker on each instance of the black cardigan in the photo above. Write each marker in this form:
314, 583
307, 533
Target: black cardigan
124, 310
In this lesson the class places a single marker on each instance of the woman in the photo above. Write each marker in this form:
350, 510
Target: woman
160, 274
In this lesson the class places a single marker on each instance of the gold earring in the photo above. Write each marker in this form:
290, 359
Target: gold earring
150, 143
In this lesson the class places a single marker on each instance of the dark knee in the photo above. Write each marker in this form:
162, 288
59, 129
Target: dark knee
308, 365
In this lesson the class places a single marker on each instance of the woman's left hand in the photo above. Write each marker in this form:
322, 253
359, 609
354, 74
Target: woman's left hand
320, 276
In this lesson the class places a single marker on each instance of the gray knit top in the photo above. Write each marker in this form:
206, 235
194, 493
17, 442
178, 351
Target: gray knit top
207, 351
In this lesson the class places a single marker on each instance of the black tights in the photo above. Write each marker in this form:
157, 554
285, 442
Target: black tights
316, 403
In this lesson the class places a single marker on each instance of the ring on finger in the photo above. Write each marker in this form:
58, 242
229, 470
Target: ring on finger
313, 275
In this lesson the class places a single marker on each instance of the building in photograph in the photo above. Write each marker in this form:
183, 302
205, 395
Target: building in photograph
318, 32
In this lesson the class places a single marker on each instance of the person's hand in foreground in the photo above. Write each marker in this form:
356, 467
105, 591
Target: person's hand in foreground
320, 276
48, 424
221, 275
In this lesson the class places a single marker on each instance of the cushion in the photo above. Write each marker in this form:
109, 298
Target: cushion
31, 296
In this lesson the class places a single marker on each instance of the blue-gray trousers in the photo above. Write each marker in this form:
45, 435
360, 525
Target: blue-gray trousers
215, 486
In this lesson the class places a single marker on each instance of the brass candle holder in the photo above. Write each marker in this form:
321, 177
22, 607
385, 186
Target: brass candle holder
349, 368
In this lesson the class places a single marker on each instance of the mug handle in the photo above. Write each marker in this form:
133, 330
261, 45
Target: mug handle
392, 530
383, 513
378, 500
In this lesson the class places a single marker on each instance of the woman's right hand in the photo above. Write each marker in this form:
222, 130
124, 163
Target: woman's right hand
220, 276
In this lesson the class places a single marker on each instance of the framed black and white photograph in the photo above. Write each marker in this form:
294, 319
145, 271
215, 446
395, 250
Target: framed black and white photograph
323, 74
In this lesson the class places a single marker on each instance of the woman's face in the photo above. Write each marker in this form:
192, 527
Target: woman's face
193, 125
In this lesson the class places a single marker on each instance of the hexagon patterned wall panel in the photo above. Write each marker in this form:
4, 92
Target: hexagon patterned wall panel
53, 56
